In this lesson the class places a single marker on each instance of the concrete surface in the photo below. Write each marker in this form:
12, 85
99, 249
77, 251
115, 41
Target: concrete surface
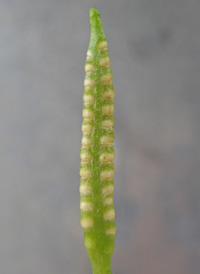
155, 57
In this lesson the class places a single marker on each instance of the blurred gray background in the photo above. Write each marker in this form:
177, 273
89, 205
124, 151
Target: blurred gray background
155, 56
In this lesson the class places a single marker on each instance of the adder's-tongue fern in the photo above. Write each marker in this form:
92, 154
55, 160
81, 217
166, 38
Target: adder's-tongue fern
97, 152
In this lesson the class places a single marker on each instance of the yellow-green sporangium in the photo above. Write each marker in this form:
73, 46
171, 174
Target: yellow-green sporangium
97, 152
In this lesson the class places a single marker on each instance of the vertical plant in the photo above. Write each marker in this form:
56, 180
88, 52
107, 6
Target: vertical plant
97, 152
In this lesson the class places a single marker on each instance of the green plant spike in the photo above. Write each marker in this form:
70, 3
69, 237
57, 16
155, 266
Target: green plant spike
97, 152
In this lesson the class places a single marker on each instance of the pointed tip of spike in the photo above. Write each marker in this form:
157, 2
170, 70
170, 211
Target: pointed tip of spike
93, 12
96, 25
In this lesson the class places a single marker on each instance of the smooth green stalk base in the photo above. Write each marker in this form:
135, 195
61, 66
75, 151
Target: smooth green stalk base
101, 265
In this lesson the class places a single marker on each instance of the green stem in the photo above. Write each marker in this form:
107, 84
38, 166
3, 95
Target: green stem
97, 152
